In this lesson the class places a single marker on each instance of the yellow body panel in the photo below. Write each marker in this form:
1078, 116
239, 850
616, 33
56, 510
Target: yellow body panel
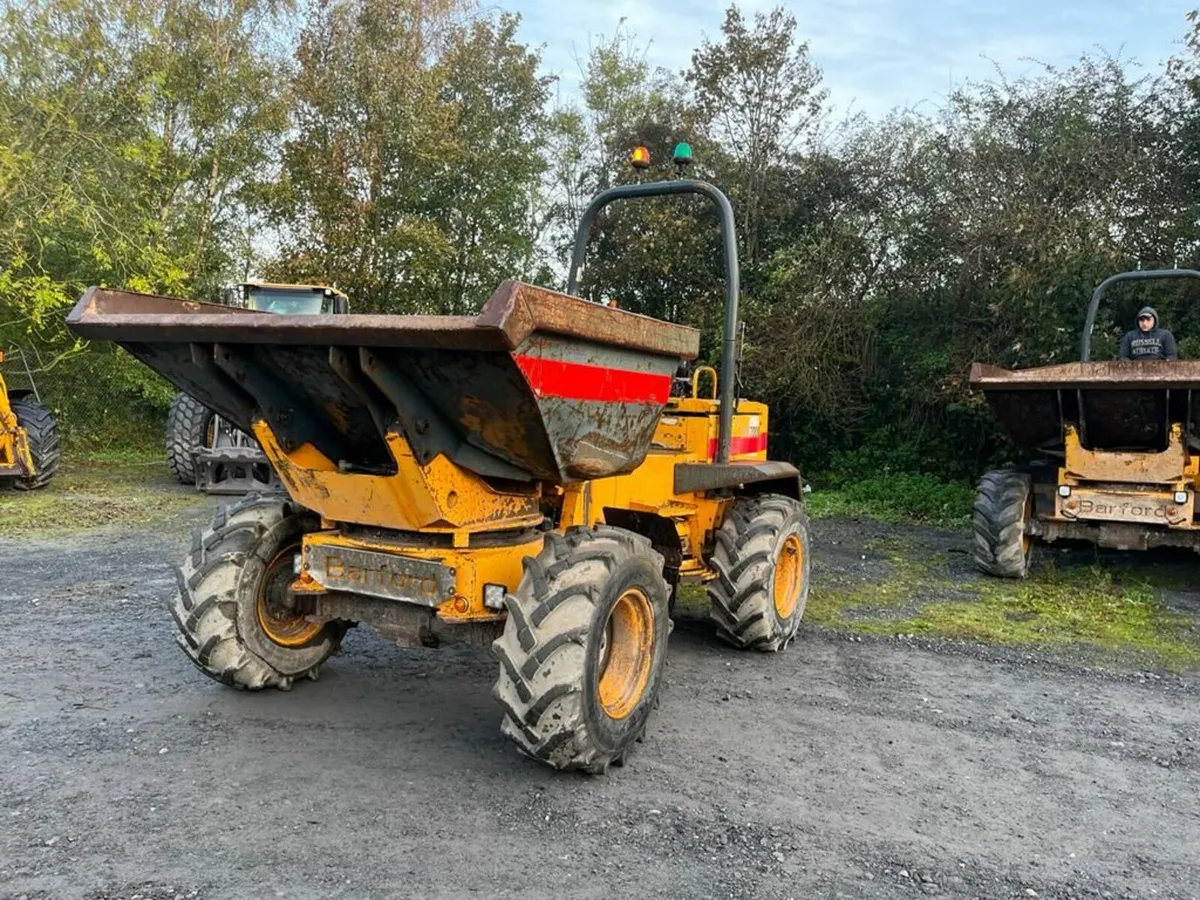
439, 497
1134, 487
473, 568
14, 444
442, 498
687, 432
1168, 467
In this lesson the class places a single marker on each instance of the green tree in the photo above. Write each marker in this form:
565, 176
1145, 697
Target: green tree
216, 110
756, 94
657, 257
128, 133
410, 178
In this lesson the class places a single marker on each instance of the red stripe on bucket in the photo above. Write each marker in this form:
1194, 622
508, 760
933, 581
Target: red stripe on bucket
579, 381
739, 446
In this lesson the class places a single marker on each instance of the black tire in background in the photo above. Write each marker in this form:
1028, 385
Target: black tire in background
188, 425
1003, 506
41, 430
763, 561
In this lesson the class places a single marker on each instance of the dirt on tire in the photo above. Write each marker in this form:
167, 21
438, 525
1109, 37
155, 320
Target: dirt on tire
215, 604
746, 557
550, 654
1003, 502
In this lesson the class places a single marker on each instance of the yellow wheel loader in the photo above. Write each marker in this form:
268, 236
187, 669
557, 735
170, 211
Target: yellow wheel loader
523, 478
29, 453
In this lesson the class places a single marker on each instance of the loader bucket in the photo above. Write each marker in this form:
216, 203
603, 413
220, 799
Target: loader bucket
1117, 405
538, 386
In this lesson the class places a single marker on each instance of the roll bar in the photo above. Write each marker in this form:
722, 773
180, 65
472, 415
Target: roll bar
1085, 343
729, 361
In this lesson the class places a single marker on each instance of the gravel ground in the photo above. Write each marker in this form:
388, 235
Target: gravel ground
845, 767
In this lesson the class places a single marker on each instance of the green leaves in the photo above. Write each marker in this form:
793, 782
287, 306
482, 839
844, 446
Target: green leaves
417, 154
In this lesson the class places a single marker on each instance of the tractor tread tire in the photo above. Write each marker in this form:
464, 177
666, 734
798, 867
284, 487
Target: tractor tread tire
212, 591
41, 431
741, 597
187, 428
998, 521
546, 642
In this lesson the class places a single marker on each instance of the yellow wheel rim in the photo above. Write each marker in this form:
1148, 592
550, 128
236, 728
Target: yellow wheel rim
789, 573
626, 653
279, 623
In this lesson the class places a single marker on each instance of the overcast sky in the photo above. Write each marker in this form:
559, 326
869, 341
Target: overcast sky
876, 54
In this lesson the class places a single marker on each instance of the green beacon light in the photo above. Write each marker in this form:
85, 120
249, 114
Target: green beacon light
682, 156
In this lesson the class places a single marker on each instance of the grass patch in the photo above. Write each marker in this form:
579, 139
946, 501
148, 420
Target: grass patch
896, 498
1086, 608
96, 489
834, 603
692, 596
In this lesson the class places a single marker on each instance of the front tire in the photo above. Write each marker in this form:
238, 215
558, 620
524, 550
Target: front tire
583, 648
41, 431
231, 603
1003, 507
762, 561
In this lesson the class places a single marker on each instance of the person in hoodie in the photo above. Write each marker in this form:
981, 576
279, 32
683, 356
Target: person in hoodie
1148, 341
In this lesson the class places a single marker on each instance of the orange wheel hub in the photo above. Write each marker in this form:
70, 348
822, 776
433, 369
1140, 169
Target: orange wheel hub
276, 618
789, 573
626, 654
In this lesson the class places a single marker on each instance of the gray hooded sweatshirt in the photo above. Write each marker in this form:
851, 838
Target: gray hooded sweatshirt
1157, 343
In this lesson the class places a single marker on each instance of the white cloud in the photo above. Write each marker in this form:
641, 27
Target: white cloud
877, 54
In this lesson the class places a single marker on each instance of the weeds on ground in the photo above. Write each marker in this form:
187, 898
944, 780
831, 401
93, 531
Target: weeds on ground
95, 489
1088, 607
896, 498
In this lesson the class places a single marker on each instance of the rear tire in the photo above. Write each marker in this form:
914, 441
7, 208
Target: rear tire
229, 588
762, 560
188, 424
1003, 507
41, 430
583, 648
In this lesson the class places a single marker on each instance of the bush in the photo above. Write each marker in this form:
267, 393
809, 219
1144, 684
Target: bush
897, 498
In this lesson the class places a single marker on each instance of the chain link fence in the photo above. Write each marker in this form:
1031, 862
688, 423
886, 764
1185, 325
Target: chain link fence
102, 399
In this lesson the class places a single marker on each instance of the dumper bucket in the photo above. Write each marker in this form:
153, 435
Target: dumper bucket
1117, 405
540, 385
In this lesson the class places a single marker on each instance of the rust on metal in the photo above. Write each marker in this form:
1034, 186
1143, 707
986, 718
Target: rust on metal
406, 624
125, 316
1144, 467
1116, 535
1116, 405
521, 309
539, 386
1117, 373
1116, 505
515, 311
